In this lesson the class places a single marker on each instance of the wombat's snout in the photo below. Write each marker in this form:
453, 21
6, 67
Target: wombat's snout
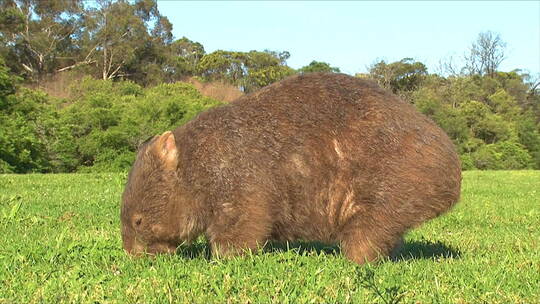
136, 248
132, 246
130, 243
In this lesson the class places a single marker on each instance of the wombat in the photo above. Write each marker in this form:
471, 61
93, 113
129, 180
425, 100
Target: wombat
316, 157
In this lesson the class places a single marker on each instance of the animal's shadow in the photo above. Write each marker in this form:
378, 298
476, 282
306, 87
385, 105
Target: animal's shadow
417, 250
202, 249
194, 250
411, 250
302, 247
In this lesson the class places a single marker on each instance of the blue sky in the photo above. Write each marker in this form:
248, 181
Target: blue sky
353, 34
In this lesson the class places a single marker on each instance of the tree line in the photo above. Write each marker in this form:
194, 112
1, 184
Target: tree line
132, 85
120, 40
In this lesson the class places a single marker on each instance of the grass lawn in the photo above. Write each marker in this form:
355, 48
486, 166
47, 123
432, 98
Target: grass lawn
60, 242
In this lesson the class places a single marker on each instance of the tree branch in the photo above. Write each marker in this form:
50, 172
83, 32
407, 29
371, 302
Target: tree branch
29, 69
75, 65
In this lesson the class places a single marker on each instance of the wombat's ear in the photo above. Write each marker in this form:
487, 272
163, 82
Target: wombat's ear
166, 150
146, 142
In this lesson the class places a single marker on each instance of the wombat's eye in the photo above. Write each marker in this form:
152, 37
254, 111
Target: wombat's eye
137, 221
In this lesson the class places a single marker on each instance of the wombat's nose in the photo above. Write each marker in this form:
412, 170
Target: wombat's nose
133, 247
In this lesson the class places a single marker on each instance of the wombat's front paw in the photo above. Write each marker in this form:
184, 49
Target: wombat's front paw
221, 249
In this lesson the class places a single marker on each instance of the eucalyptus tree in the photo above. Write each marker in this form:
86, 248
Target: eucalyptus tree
247, 70
119, 36
39, 37
401, 76
485, 54
318, 66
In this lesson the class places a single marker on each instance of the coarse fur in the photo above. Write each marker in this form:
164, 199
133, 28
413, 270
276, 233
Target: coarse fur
315, 157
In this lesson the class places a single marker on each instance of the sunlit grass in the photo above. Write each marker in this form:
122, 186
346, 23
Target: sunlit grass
60, 242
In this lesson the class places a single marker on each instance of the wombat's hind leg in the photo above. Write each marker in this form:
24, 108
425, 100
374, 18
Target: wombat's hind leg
363, 244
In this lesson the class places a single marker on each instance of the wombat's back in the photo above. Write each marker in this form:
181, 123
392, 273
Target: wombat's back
319, 151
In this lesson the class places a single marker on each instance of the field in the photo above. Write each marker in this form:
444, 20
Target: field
60, 243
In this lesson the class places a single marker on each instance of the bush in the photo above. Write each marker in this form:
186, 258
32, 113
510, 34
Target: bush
22, 145
503, 155
467, 162
109, 120
529, 136
99, 129
99, 126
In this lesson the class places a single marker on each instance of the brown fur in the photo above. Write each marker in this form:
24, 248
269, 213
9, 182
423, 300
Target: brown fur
316, 157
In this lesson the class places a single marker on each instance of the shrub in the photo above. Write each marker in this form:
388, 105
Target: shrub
467, 162
22, 148
503, 155
109, 120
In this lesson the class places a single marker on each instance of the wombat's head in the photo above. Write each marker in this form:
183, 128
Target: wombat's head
149, 199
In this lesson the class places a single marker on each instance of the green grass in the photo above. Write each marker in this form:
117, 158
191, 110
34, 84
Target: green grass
60, 242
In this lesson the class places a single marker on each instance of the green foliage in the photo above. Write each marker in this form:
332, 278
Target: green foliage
128, 40
106, 39
186, 55
492, 117
504, 104
467, 162
486, 116
109, 120
402, 76
455, 125
265, 68
529, 136
7, 84
247, 70
22, 148
318, 66
99, 129
502, 155
38, 35
222, 65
